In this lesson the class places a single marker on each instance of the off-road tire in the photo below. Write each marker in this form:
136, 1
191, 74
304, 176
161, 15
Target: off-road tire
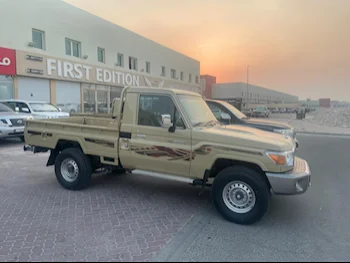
249, 177
83, 163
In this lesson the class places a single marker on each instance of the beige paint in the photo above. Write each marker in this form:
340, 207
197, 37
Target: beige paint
53, 92
90, 75
192, 149
15, 88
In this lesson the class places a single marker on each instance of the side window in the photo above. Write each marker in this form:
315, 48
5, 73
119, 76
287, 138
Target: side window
22, 107
218, 110
12, 105
152, 107
215, 109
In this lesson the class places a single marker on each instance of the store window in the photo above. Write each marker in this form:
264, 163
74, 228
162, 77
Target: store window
101, 55
120, 60
99, 98
68, 96
148, 67
6, 87
38, 38
173, 74
132, 63
163, 71
89, 98
73, 48
102, 97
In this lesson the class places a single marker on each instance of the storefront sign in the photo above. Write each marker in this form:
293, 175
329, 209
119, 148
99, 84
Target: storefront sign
79, 71
34, 58
47, 67
35, 71
7, 61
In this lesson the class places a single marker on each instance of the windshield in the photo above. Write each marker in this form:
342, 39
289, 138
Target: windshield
260, 109
5, 108
234, 110
43, 107
197, 110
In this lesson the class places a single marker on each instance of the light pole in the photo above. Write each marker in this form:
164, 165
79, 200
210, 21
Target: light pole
248, 84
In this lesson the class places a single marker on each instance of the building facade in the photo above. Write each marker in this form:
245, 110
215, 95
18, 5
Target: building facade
242, 95
80, 62
206, 83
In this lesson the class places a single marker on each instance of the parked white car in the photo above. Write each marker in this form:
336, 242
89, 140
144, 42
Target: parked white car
11, 122
38, 109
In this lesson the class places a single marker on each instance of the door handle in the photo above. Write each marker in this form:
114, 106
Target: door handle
141, 136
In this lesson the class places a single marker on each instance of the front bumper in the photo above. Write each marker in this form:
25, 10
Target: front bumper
294, 182
8, 132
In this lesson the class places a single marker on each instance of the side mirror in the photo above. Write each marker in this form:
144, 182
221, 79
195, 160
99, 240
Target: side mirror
166, 121
25, 110
59, 109
225, 117
17, 109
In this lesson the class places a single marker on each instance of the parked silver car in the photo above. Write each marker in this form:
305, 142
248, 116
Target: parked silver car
11, 122
38, 109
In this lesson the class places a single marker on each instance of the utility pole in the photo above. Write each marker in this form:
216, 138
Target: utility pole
248, 84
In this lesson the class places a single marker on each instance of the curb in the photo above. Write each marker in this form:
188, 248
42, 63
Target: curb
323, 133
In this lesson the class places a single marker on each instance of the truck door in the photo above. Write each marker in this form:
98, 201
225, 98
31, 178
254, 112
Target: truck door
153, 146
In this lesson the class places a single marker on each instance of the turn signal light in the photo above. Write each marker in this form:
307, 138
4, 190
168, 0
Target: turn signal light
278, 159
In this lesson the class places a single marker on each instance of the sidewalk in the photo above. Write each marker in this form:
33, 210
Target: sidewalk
315, 123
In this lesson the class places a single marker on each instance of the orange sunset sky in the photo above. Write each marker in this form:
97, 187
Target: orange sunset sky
295, 46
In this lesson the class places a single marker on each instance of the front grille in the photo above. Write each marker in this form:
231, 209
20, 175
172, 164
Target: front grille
17, 122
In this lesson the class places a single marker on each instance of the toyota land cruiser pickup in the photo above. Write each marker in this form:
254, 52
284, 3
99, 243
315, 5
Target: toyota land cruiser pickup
173, 134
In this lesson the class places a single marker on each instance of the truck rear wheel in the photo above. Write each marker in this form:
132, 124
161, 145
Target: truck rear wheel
73, 169
241, 195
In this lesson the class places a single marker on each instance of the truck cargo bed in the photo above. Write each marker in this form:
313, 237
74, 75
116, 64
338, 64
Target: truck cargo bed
95, 135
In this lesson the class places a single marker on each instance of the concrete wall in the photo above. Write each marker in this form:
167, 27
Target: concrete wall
256, 94
225, 91
60, 20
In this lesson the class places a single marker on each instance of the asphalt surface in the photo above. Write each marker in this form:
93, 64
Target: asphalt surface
314, 226
118, 218
133, 218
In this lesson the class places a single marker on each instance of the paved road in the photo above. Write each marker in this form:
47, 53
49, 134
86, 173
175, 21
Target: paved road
311, 227
119, 218
131, 218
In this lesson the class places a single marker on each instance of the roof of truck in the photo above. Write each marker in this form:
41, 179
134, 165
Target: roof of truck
163, 90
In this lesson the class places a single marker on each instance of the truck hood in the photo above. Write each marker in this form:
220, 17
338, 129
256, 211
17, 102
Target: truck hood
14, 115
245, 137
49, 115
268, 123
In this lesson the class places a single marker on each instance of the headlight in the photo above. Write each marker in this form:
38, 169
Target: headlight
30, 118
3, 123
288, 132
284, 158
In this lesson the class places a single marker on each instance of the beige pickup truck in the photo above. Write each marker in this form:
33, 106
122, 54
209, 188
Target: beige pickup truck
173, 134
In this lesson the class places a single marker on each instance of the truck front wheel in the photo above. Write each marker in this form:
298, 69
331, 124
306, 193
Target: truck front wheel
241, 195
73, 169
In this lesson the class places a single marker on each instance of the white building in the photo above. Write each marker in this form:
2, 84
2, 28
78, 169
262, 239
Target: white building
74, 59
239, 94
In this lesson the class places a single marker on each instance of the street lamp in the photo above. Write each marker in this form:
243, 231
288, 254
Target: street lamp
248, 84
